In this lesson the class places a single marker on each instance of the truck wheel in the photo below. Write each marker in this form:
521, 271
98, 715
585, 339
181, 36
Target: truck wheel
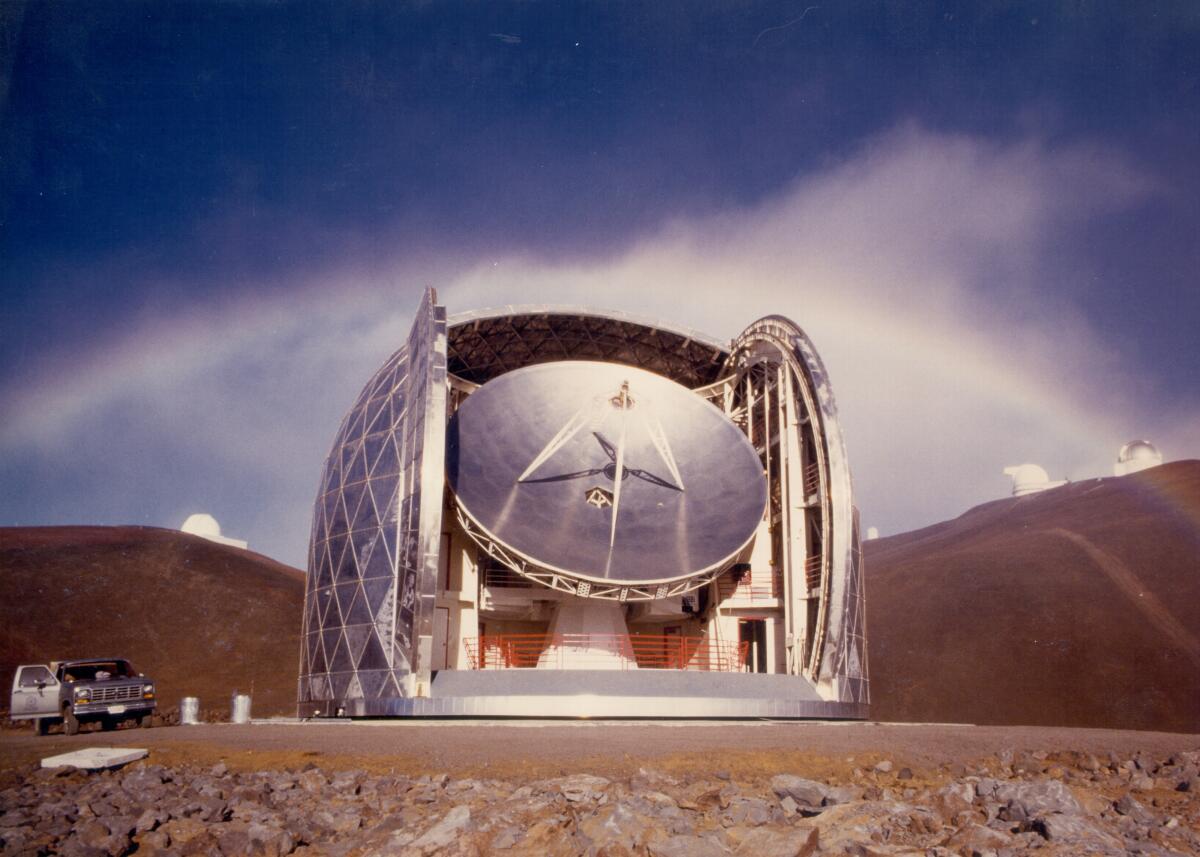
144, 722
42, 725
70, 722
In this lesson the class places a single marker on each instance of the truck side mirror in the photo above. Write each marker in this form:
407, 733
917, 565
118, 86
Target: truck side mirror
41, 683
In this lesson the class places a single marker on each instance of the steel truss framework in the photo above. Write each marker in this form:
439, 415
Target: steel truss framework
584, 588
485, 344
779, 386
373, 558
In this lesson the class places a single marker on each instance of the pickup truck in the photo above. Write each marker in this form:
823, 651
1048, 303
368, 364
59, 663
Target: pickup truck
104, 690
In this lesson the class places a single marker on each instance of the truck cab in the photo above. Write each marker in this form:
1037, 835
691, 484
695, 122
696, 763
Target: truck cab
103, 690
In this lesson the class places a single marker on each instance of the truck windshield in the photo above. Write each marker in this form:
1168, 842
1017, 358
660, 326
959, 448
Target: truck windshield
98, 671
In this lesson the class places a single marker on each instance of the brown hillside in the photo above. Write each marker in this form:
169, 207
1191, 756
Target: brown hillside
201, 618
1079, 606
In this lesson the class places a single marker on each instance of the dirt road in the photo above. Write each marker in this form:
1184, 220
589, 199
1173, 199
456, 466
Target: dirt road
517, 749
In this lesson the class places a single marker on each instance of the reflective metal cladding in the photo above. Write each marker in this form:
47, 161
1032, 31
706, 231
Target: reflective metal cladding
603, 471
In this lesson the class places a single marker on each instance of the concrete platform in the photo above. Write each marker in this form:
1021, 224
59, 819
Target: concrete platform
670, 694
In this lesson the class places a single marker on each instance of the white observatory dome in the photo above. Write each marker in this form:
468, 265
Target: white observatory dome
1136, 455
205, 526
1029, 479
201, 524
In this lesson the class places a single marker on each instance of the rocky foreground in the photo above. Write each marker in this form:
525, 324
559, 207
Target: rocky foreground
1065, 803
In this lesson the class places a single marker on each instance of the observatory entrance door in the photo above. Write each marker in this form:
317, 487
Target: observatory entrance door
753, 634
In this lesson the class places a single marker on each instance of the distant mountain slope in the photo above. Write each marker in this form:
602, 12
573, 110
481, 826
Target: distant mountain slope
202, 619
1076, 606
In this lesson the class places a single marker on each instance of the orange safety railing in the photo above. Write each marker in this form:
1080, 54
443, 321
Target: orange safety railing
747, 587
578, 651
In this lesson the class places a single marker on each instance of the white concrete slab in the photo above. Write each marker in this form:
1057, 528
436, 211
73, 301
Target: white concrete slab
95, 758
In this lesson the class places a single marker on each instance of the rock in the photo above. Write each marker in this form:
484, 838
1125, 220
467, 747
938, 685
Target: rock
687, 846
94, 834
1080, 835
312, 780
1142, 783
347, 782
905, 774
884, 767
211, 808
973, 838
765, 842
269, 840
842, 794
506, 838
233, 840
546, 839
445, 831
120, 825
1126, 805
151, 842
789, 805
614, 827
986, 788
1039, 798
703, 795
654, 803
806, 793
339, 822
183, 830
747, 810
649, 777
582, 787
1092, 803
865, 822
149, 820
953, 798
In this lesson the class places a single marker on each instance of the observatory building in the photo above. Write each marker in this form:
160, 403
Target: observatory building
1030, 479
1135, 456
205, 526
563, 512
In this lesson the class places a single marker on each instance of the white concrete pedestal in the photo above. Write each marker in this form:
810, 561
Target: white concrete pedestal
588, 634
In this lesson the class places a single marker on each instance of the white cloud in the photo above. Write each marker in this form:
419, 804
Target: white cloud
915, 265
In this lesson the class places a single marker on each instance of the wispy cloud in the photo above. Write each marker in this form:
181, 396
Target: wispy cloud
917, 264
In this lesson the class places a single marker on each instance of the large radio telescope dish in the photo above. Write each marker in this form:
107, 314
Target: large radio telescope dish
533, 457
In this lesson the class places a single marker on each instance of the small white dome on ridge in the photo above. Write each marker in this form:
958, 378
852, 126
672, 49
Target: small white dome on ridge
201, 524
1029, 479
1136, 455
205, 526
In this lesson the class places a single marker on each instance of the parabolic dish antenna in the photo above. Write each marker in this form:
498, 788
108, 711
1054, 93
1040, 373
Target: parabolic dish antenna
605, 473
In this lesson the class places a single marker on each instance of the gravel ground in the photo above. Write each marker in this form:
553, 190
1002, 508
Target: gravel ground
338, 791
551, 748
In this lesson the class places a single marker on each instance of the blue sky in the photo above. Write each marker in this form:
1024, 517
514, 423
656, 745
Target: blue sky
216, 219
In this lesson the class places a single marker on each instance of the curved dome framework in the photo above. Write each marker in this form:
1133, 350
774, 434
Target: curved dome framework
777, 381
412, 609
488, 343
